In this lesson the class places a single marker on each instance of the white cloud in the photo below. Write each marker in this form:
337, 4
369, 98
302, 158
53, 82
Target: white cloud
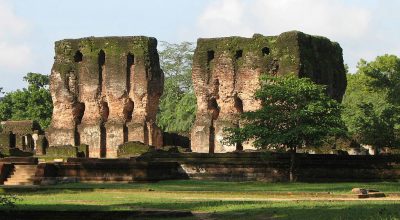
223, 17
334, 19
364, 29
10, 24
14, 53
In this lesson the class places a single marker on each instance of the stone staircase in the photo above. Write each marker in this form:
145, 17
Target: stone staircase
22, 175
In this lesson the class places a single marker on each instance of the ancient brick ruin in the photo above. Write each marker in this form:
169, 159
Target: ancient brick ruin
105, 92
25, 135
226, 74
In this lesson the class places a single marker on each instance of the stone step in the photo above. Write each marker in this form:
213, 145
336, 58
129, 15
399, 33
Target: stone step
19, 180
26, 169
18, 183
26, 166
22, 175
22, 179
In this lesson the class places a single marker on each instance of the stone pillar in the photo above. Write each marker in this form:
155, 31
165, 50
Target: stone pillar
41, 144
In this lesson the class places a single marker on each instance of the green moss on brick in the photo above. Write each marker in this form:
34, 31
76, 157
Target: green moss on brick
21, 127
305, 55
116, 47
62, 151
133, 149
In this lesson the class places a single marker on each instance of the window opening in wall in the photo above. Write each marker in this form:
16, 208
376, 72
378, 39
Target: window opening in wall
78, 57
265, 51
239, 54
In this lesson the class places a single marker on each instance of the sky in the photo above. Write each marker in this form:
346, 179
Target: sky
28, 29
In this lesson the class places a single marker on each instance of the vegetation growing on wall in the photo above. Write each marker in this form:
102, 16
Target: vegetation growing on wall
132, 149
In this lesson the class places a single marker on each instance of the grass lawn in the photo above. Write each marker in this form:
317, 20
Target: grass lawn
220, 200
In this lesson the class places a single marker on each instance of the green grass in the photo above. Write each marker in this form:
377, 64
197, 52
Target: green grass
193, 185
220, 200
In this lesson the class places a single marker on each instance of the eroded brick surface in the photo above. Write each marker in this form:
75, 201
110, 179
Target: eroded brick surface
226, 73
105, 92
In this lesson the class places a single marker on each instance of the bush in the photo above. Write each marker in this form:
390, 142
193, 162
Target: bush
133, 149
8, 200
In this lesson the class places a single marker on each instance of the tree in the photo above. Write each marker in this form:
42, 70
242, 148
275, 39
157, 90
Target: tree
37, 80
378, 129
32, 103
178, 103
371, 103
295, 113
385, 74
359, 92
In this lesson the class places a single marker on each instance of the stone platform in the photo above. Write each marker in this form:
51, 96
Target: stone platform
243, 166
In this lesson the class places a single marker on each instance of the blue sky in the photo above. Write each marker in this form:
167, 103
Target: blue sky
29, 28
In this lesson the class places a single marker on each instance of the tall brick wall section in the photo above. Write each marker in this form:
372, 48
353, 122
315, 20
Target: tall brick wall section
226, 73
105, 92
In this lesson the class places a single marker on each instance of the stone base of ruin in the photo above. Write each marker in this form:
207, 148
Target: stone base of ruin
60, 137
115, 136
147, 133
91, 135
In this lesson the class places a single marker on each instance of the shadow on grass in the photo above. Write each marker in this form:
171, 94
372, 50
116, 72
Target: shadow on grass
243, 209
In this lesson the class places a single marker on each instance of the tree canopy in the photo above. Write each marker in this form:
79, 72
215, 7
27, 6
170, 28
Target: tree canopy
385, 74
33, 103
295, 113
371, 105
178, 103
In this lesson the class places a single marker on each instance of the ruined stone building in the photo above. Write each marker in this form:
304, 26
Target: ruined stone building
26, 135
226, 74
105, 92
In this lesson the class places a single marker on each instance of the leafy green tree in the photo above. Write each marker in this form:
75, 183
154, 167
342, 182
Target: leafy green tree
371, 103
37, 80
295, 113
33, 103
358, 92
378, 129
178, 103
385, 74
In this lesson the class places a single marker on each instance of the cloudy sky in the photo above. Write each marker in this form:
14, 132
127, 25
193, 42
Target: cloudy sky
28, 29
